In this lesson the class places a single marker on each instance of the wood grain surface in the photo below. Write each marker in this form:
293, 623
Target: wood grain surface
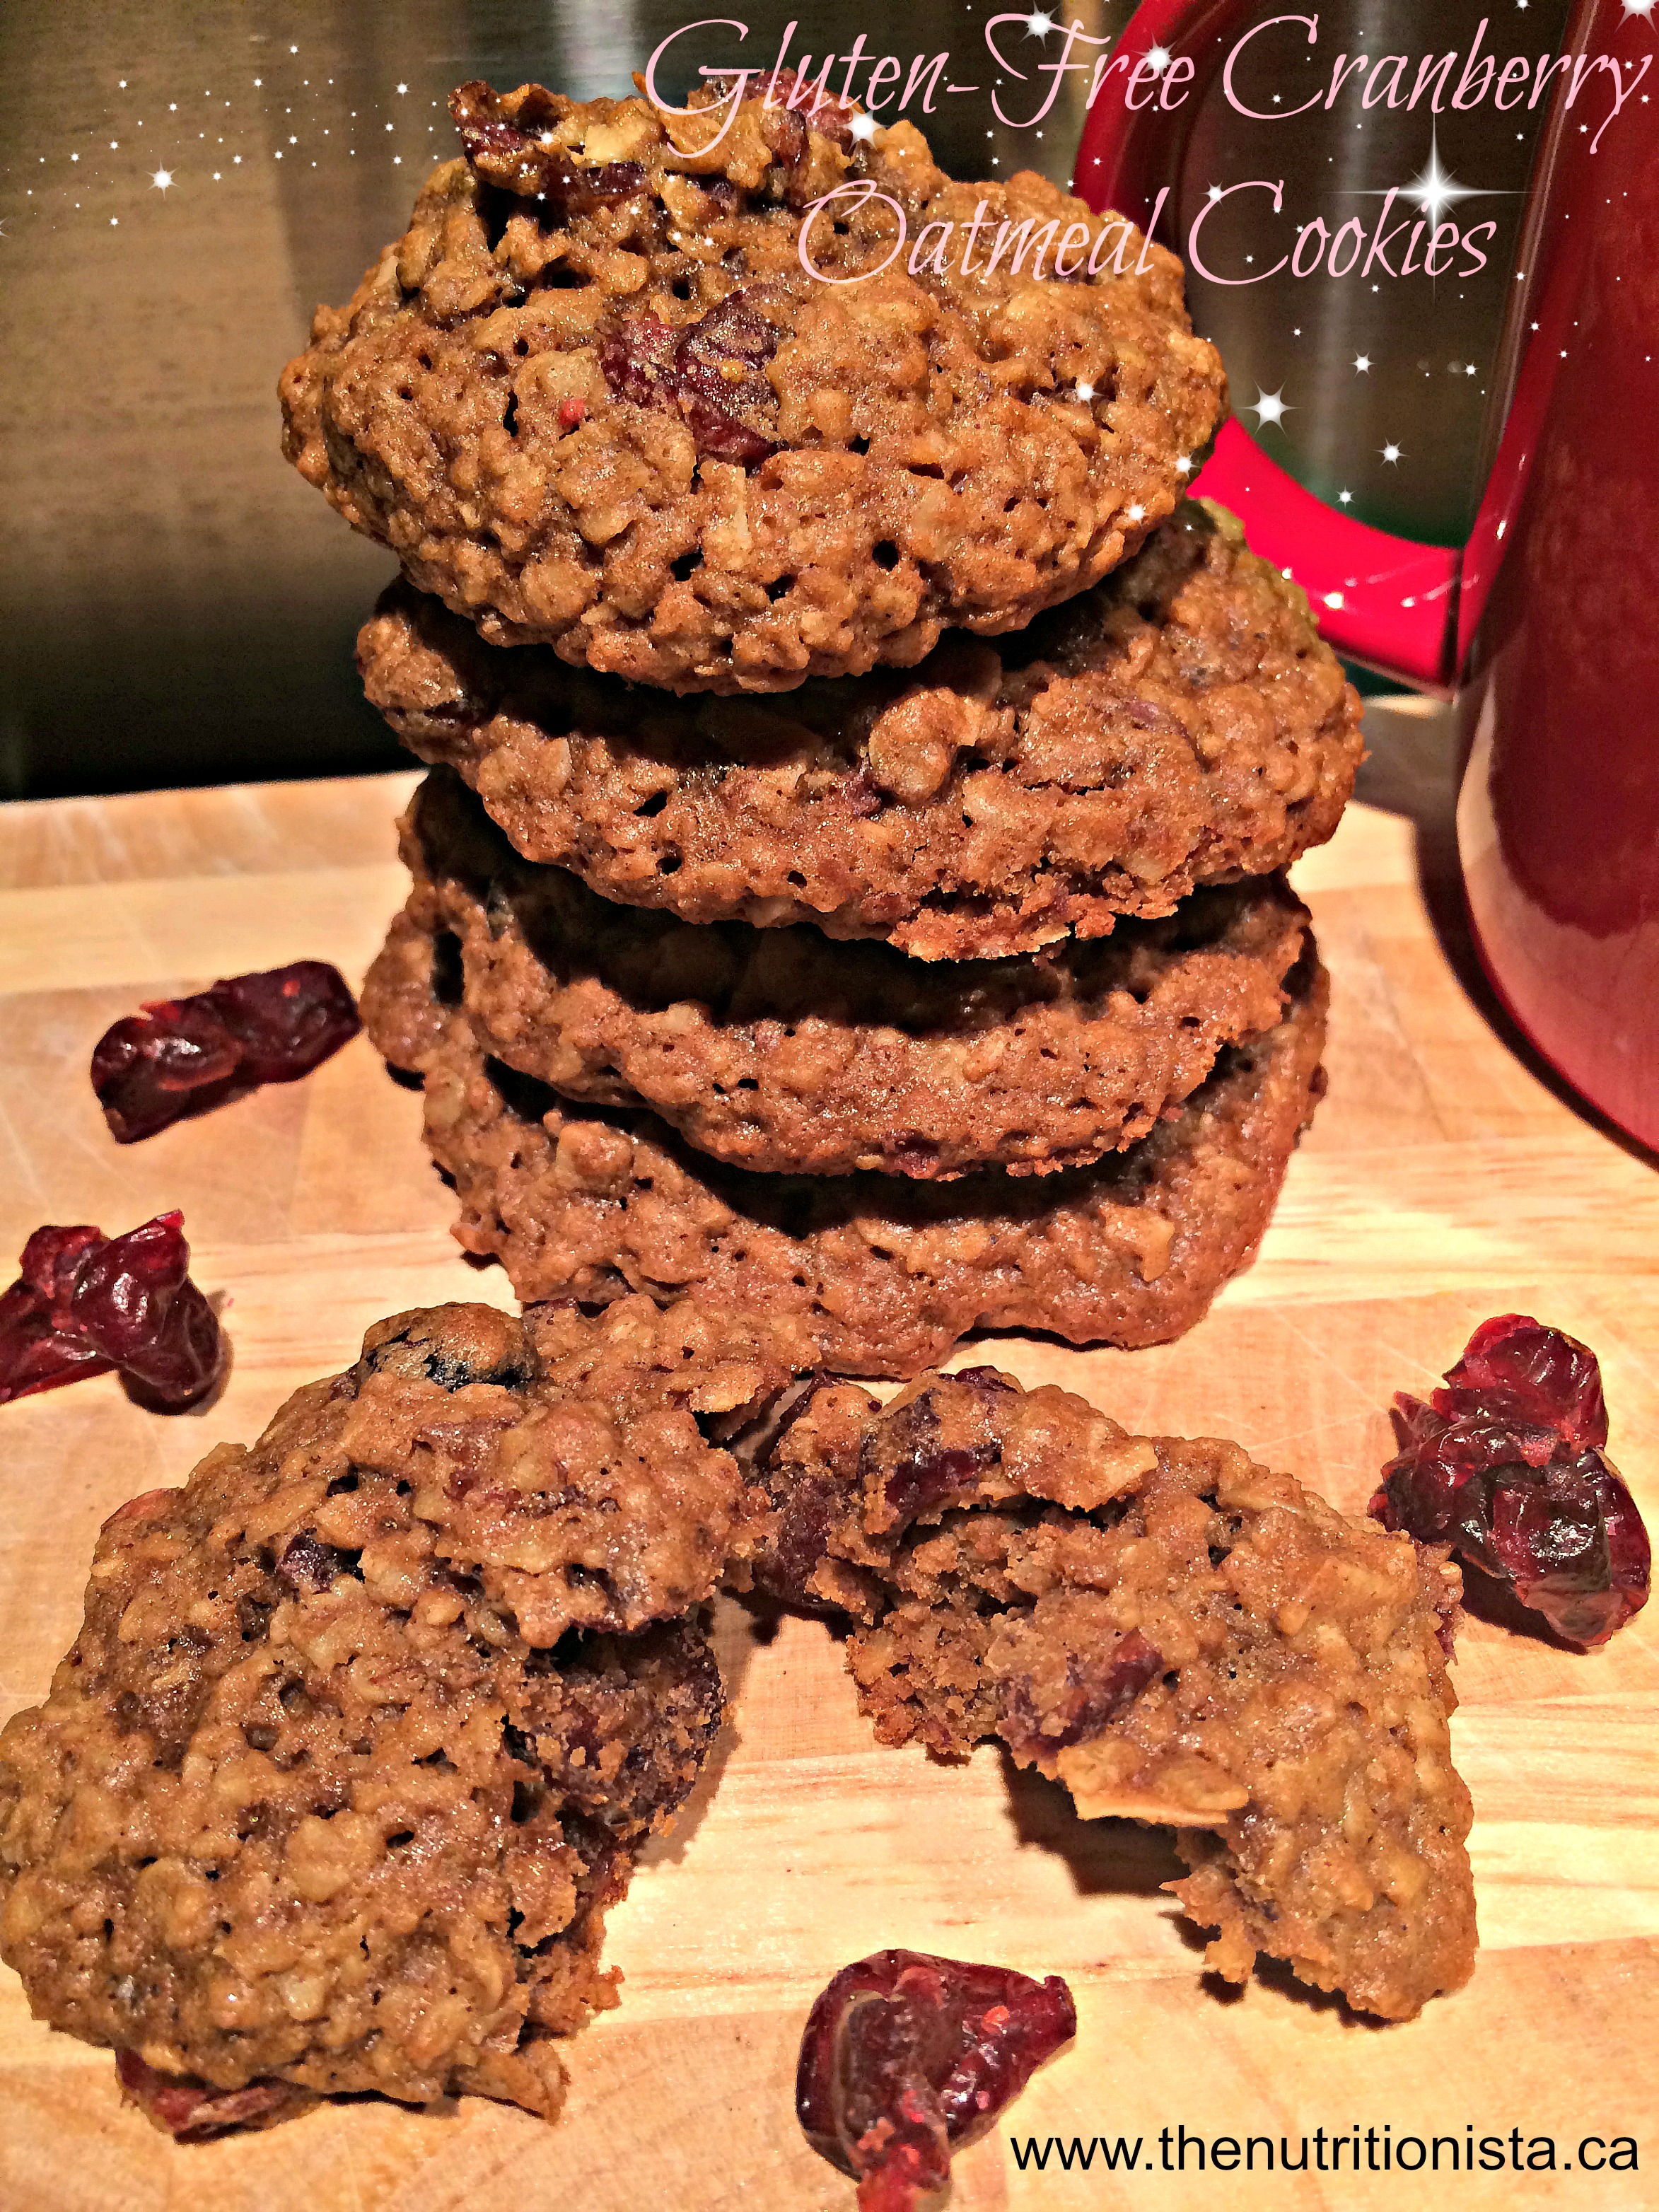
1446, 1178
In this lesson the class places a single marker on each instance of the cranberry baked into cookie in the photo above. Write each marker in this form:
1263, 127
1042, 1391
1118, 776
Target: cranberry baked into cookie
1174, 1633
597, 398
884, 1273
1180, 724
364, 1725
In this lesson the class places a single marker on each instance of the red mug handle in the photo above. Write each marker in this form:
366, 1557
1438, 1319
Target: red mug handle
1384, 600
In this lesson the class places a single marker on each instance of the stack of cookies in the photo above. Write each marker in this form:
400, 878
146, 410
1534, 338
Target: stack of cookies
850, 884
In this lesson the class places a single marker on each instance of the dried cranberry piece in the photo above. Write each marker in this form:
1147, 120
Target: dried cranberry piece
924, 1472
84, 1303
1100, 1688
906, 2056
703, 371
637, 358
153, 1068
1505, 1466
308, 1565
784, 134
52, 1259
191, 2110
511, 155
913, 1154
801, 1539
134, 1302
732, 337
863, 794
805, 1506
185, 1056
288, 1020
1473, 1440
985, 1381
927, 1478
578, 188
37, 1349
1517, 1366
1149, 715
830, 114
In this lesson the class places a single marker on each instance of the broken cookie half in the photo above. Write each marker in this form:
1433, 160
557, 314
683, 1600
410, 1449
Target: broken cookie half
1173, 1633
364, 1726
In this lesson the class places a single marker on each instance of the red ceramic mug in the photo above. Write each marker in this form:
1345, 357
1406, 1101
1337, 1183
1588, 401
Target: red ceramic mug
1546, 624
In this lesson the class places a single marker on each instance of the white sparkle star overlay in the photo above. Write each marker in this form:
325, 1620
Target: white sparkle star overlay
1268, 407
1037, 25
1391, 454
1184, 465
1158, 57
1346, 498
864, 126
1434, 188
1137, 514
161, 180
1362, 362
1086, 392
1643, 8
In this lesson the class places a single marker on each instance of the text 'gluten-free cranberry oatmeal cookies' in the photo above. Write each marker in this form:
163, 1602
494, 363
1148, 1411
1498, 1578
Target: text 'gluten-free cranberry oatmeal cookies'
364, 1726
1175, 1633
1181, 723
635, 386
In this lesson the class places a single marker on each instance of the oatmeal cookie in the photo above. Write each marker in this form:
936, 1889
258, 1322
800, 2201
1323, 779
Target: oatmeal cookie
778, 1050
597, 398
349, 1756
884, 1273
1180, 724
1175, 1633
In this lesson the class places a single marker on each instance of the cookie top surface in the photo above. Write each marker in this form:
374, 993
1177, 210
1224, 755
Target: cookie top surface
306, 1802
597, 398
782, 1051
1175, 1633
1180, 723
883, 1272
563, 1461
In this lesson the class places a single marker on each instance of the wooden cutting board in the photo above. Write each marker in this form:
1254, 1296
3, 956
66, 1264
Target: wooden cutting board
1444, 1180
